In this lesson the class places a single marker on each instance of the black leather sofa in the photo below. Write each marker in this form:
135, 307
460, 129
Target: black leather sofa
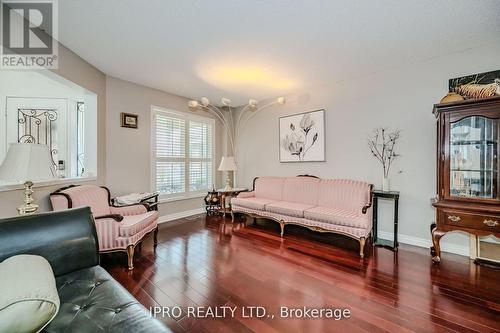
91, 300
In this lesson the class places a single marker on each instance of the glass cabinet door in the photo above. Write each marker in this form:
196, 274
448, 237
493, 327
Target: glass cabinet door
473, 158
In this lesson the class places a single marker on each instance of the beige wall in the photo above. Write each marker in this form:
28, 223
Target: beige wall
398, 98
129, 150
77, 70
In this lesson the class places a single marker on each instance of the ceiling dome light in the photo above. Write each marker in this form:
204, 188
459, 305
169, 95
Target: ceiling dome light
225, 101
205, 101
193, 104
281, 100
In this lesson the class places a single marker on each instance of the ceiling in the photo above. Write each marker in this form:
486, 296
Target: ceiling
265, 48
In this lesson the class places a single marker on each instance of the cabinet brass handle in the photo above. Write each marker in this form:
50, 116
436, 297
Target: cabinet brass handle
490, 223
454, 218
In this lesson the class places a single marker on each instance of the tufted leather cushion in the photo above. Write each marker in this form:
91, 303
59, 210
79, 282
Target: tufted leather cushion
92, 301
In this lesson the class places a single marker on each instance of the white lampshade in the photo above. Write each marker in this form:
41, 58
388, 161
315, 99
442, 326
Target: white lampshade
227, 163
27, 162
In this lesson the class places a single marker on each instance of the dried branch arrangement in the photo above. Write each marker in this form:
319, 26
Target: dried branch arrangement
381, 144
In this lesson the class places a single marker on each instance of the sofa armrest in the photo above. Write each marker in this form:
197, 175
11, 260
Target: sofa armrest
246, 195
116, 217
369, 204
67, 239
136, 209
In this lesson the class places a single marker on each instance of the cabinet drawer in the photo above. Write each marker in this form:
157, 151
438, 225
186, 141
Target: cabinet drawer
473, 221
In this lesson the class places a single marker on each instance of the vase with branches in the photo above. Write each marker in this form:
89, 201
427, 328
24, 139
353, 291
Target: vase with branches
381, 144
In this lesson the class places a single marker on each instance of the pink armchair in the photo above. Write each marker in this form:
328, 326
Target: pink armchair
118, 228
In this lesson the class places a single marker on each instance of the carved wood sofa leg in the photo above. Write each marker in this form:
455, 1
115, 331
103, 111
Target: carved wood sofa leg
282, 225
130, 255
362, 241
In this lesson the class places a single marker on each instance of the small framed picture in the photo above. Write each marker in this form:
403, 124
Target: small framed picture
129, 120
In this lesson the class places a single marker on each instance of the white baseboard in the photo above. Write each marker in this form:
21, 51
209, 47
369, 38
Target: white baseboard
422, 242
180, 215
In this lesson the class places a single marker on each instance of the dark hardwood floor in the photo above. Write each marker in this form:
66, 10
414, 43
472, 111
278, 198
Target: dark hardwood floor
206, 262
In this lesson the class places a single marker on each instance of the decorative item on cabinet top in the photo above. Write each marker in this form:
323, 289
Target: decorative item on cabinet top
468, 183
475, 86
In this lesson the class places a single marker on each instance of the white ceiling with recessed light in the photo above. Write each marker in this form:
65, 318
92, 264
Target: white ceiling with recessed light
266, 48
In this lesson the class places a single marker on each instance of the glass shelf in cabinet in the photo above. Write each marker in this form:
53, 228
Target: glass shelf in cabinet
473, 142
473, 170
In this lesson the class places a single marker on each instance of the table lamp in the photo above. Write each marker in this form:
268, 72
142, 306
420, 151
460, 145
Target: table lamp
27, 162
227, 164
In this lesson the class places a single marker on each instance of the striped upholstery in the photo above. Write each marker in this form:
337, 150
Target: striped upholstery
246, 195
132, 224
58, 202
288, 208
93, 196
354, 232
269, 187
108, 232
255, 203
338, 216
347, 194
112, 235
301, 190
129, 210
329, 204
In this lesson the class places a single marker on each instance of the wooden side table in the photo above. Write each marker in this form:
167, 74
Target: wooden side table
391, 195
212, 202
228, 194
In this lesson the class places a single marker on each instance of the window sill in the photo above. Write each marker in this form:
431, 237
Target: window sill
61, 181
180, 198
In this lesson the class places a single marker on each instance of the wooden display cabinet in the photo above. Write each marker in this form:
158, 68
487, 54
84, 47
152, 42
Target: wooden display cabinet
468, 197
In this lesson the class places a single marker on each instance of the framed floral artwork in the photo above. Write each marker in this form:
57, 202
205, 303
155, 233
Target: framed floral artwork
302, 137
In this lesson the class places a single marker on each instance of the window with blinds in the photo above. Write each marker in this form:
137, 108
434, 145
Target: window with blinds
183, 154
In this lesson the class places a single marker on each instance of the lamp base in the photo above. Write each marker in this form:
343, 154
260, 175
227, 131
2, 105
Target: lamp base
228, 184
28, 207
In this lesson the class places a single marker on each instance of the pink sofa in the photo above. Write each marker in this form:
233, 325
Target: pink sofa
118, 228
324, 205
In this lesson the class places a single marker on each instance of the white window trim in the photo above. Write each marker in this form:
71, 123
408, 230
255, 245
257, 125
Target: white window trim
91, 176
189, 117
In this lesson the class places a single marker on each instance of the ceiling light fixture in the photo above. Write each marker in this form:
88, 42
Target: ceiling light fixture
226, 114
